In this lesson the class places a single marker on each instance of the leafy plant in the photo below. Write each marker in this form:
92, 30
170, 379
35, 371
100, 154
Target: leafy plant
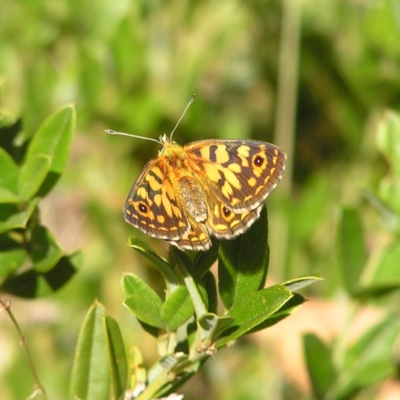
131, 66
344, 369
186, 323
32, 263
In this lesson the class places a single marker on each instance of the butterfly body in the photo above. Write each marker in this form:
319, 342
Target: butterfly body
208, 187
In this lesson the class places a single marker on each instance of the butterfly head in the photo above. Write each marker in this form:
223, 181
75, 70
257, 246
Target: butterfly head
164, 140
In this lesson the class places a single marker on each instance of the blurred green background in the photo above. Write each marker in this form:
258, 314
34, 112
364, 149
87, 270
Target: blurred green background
132, 66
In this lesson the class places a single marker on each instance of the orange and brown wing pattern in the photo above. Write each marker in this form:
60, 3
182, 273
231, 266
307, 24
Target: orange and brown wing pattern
227, 224
195, 239
153, 204
240, 173
209, 187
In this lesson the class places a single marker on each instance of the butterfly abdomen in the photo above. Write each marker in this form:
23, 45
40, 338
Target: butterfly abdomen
193, 198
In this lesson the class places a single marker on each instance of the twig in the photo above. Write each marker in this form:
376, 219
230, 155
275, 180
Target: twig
39, 389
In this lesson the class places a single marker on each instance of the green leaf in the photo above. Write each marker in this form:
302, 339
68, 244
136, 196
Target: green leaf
389, 216
287, 309
90, 378
177, 309
53, 140
243, 263
214, 326
142, 301
301, 282
352, 252
33, 173
205, 259
253, 310
376, 290
210, 286
207, 324
8, 178
9, 130
369, 359
388, 140
12, 255
14, 217
193, 282
31, 284
171, 279
383, 277
7, 196
209, 327
117, 357
11, 260
45, 251
320, 367
387, 271
208, 321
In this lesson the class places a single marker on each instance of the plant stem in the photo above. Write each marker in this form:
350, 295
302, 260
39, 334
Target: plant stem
38, 386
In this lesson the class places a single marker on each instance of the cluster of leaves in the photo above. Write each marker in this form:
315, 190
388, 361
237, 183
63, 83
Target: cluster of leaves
186, 323
342, 370
190, 306
32, 263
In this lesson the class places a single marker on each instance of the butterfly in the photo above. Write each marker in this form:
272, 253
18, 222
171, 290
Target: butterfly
207, 187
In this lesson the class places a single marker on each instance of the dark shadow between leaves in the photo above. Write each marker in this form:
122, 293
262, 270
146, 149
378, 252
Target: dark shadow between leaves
26, 285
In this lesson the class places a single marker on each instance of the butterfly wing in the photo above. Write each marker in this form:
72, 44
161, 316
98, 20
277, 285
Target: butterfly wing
227, 224
209, 186
221, 225
195, 239
240, 173
153, 205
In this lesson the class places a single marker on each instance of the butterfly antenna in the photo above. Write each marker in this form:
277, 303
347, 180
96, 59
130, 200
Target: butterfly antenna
183, 114
111, 132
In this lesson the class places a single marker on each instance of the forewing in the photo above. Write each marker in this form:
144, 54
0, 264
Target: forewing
240, 173
152, 204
